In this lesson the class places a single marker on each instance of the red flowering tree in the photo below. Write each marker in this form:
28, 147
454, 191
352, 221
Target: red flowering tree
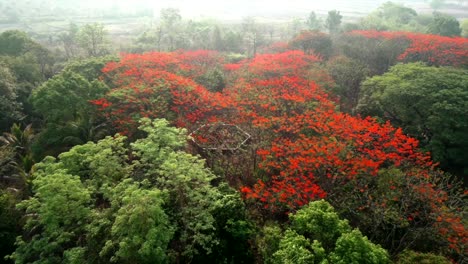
158, 85
432, 49
290, 63
300, 148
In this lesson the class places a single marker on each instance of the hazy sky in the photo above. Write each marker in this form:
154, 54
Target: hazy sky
237, 9
240, 8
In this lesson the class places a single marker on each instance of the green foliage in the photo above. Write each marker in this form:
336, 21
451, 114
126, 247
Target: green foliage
267, 241
444, 25
233, 230
293, 248
9, 220
10, 110
393, 16
348, 75
464, 28
170, 27
60, 209
318, 235
313, 22
63, 101
141, 230
29, 64
313, 41
319, 221
69, 40
212, 80
429, 103
396, 12
377, 55
8, 165
333, 21
14, 43
90, 68
409, 257
66, 96
92, 38
353, 247
187, 181
20, 140
155, 206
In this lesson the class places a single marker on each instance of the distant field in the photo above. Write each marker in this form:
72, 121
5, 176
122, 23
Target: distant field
43, 27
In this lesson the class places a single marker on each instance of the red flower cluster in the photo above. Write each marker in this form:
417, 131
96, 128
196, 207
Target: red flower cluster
433, 49
307, 149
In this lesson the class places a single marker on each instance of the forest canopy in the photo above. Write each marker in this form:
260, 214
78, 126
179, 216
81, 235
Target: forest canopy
323, 139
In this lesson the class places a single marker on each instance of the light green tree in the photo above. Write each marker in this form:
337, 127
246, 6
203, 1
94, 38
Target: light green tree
313, 22
464, 28
144, 202
92, 38
318, 235
170, 26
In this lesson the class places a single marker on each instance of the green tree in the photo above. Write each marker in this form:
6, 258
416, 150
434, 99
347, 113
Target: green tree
396, 13
10, 218
141, 230
464, 28
429, 103
252, 35
170, 26
70, 40
233, 41
68, 116
186, 179
353, 247
144, 202
20, 140
60, 209
377, 54
393, 16
313, 42
15, 43
218, 41
333, 21
318, 235
92, 38
444, 25
348, 75
313, 22
29, 63
8, 165
10, 110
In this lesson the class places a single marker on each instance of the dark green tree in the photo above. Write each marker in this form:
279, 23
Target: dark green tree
333, 21
68, 116
10, 109
444, 25
348, 75
429, 103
